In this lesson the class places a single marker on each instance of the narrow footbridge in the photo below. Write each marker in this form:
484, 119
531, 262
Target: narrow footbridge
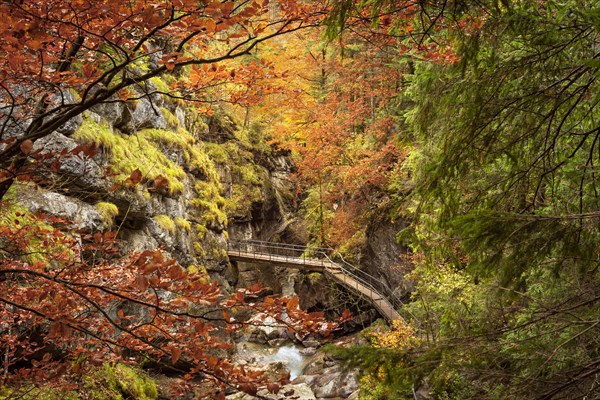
319, 259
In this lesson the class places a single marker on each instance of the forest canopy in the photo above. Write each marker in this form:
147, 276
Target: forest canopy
477, 123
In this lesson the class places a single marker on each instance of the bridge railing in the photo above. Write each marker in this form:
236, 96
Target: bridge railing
370, 281
324, 257
280, 251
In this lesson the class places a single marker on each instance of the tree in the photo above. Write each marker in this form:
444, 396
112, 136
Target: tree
67, 296
59, 60
505, 193
341, 126
70, 302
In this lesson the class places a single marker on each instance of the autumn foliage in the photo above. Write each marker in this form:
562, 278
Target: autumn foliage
69, 299
60, 59
71, 302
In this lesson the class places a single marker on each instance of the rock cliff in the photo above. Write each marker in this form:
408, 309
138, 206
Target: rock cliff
202, 178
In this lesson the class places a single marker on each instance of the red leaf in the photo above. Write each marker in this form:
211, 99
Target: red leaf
135, 177
88, 70
257, 287
160, 182
26, 146
141, 283
227, 316
346, 315
212, 361
175, 355
55, 166
273, 387
239, 296
292, 304
247, 388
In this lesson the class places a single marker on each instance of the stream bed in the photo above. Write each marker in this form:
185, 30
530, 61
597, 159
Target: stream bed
260, 354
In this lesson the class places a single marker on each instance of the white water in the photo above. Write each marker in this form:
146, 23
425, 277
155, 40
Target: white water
290, 356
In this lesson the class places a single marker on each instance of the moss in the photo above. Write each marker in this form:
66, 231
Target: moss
201, 271
255, 137
314, 277
200, 160
108, 212
165, 222
183, 224
172, 120
194, 153
240, 202
130, 152
199, 250
195, 122
119, 382
36, 393
201, 231
218, 254
161, 85
91, 131
248, 174
210, 203
40, 238
111, 382
181, 139
218, 153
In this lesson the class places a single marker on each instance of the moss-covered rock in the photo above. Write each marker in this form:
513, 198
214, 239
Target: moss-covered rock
126, 153
110, 382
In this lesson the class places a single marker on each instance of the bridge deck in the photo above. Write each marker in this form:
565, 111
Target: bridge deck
286, 261
382, 305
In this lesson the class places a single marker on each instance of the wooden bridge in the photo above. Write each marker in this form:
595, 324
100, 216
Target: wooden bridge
318, 259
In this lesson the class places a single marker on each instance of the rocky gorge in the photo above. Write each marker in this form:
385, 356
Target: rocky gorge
205, 180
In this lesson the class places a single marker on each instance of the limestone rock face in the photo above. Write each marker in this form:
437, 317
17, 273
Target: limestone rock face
60, 205
385, 259
148, 115
331, 383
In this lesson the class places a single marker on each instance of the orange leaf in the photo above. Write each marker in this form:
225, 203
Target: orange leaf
88, 70
239, 296
346, 315
227, 316
292, 304
160, 182
210, 26
141, 283
257, 287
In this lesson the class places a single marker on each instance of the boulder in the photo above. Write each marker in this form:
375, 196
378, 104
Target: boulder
268, 329
147, 114
299, 391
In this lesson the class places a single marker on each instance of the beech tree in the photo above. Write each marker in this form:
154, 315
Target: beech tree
70, 302
60, 59
66, 293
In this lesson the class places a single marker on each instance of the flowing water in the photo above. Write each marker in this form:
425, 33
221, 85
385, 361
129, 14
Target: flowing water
290, 356
260, 354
